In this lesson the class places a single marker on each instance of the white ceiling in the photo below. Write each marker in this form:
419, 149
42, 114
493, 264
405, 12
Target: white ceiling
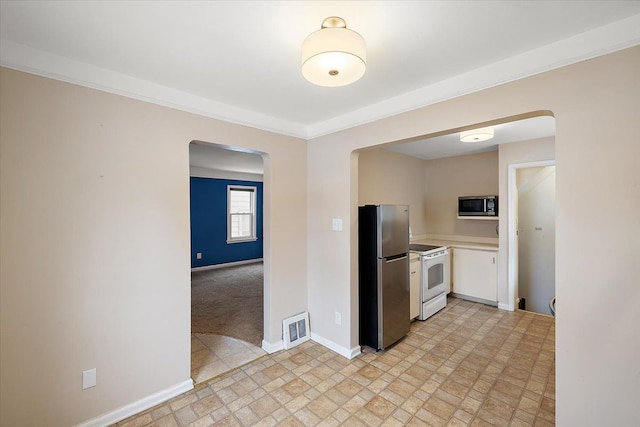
218, 158
450, 145
239, 61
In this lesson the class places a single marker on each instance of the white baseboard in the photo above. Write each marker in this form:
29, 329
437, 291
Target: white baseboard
138, 406
504, 306
355, 352
475, 299
227, 264
272, 347
342, 351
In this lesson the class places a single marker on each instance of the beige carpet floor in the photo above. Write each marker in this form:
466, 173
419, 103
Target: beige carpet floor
229, 301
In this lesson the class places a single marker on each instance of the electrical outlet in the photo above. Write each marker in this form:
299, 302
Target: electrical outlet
336, 224
338, 318
89, 378
199, 255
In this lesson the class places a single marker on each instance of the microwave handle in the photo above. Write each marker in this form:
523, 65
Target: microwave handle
484, 200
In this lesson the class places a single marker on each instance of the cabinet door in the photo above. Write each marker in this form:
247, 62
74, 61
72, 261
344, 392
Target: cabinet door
475, 273
414, 285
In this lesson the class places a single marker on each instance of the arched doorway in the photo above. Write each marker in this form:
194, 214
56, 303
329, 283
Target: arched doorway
227, 279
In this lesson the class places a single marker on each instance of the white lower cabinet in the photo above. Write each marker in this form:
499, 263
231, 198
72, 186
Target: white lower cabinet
415, 274
475, 273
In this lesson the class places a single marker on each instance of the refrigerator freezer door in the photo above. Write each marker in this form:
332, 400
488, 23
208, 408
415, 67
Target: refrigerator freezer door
393, 230
393, 297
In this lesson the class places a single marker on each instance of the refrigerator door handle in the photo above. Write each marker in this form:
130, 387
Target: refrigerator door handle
390, 260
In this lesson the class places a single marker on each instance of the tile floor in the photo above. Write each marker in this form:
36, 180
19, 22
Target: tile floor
470, 364
212, 355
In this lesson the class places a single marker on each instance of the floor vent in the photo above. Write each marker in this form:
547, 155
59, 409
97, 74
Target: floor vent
295, 330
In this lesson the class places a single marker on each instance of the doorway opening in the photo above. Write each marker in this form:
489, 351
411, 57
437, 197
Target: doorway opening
453, 169
227, 272
532, 235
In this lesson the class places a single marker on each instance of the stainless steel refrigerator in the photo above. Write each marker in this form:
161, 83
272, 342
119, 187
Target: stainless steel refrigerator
383, 267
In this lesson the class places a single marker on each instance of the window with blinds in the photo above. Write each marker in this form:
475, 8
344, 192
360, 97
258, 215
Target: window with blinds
241, 215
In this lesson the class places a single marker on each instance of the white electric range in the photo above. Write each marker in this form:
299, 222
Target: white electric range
435, 283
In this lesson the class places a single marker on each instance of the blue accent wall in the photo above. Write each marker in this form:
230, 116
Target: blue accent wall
209, 223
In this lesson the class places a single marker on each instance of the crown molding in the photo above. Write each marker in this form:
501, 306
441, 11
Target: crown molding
34, 61
600, 41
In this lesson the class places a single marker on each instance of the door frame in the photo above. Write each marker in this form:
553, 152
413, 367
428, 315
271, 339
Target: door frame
266, 224
512, 241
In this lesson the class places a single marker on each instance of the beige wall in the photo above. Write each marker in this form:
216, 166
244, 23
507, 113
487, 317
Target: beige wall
94, 245
430, 188
446, 179
94, 262
386, 177
597, 111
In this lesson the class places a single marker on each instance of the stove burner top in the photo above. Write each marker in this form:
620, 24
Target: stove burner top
422, 248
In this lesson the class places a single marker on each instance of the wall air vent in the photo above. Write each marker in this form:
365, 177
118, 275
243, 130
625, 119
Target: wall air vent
295, 330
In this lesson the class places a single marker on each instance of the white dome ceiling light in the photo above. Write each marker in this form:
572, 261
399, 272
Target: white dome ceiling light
477, 135
334, 55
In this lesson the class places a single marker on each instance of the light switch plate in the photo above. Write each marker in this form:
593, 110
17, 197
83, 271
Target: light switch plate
336, 224
89, 378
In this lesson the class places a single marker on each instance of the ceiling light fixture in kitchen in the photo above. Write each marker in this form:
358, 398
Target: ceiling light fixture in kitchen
477, 135
334, 55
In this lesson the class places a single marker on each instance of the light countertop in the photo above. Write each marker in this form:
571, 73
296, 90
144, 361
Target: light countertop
458, 244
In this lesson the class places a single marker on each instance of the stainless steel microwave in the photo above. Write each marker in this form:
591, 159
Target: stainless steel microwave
478, 206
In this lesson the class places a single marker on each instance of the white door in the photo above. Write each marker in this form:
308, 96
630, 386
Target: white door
536, 237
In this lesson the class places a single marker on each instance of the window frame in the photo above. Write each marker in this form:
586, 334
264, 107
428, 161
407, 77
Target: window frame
254, 213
